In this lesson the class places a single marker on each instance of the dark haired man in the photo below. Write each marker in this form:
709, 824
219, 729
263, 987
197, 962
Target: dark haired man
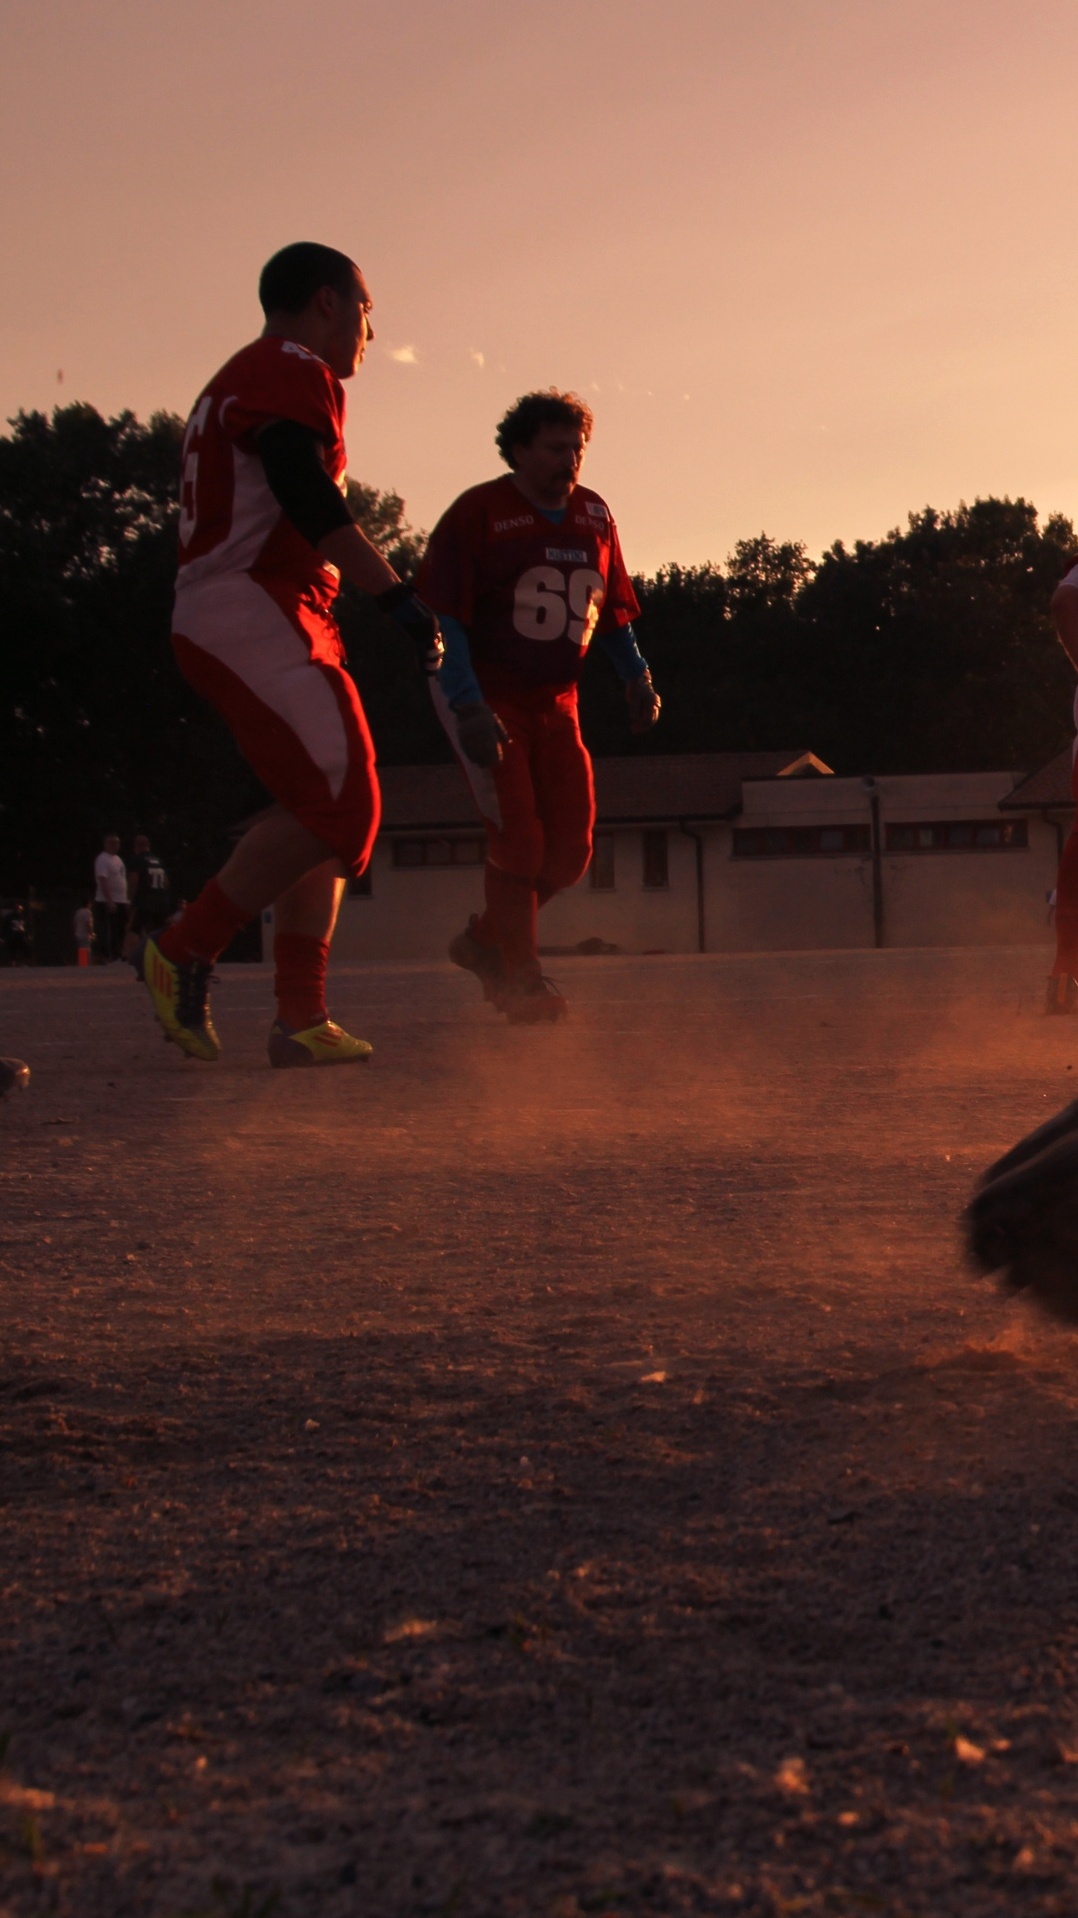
265, 535
148, 890
523, 573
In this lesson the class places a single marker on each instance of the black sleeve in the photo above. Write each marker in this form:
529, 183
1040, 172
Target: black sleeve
299, 482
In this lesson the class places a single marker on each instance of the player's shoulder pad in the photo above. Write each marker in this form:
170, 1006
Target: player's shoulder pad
491, 489
474, 502
595, 507
270, 349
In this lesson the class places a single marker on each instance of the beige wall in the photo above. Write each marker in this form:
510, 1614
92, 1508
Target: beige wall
994, 896
780, 905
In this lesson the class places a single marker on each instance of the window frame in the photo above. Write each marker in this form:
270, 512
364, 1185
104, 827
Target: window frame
606, 842
1013, 836
471, 843
748, 842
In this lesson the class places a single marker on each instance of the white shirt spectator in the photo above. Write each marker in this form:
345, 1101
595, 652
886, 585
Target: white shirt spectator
111, 876
83, 924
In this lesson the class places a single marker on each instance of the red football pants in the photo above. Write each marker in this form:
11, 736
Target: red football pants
272, 665
539, 810
1067, 898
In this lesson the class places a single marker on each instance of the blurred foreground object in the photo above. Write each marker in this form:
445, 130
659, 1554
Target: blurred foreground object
1023, 1218
14, 1076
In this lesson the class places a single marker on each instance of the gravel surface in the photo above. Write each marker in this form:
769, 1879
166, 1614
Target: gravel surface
544, 1472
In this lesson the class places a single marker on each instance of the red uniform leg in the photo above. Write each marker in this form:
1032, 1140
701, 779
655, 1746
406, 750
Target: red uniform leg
274, 672
1066, 964
538, 807
515, 844
300, 979
208, 925
565, 797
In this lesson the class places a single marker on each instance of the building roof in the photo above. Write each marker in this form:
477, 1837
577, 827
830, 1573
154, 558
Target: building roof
1049, 788
651, 787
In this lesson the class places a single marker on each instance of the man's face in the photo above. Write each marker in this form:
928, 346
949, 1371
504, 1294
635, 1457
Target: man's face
550, 466
112, 844
348, 326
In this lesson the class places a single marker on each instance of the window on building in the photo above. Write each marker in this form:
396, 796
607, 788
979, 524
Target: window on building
601, 869
360, 888
799, 842
439, 849
656, 864
958, 835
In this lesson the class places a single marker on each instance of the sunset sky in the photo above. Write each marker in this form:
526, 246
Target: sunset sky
810, 260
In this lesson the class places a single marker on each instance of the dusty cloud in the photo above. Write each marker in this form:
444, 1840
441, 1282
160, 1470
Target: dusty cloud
477, 358
404, 355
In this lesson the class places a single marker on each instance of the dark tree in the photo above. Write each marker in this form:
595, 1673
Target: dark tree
91, 709
98, 729
395, 694
934, 648
381, 516
931, 648
722, 647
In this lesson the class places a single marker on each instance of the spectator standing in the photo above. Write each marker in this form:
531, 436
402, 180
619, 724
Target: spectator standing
82, 925
110, 899
148, 889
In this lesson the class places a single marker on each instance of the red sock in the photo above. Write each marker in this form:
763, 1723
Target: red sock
300, 979
510, 920
206, 927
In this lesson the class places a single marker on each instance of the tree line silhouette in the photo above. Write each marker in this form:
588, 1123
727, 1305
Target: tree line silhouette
929, 649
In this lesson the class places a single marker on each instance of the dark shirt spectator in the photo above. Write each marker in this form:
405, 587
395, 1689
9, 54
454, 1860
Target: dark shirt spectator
148, 890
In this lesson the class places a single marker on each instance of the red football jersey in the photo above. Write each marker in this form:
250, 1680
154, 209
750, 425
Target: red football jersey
530, 593
229, 519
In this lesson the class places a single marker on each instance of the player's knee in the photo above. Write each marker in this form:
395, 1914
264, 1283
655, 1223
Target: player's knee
353, 842
520, 857
564, 865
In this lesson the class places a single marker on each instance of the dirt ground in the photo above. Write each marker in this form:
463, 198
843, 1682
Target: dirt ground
541, 1473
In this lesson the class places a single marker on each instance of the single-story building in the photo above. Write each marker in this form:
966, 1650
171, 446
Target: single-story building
728, 852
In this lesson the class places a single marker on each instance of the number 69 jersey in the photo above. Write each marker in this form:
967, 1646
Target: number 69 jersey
530, 593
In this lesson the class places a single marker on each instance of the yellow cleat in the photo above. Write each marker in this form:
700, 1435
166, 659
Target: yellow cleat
180, 994
322, 1045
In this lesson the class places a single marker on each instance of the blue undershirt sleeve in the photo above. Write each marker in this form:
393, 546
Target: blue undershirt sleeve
620, 647
457, 678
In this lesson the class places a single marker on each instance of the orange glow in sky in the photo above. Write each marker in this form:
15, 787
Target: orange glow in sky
809, 260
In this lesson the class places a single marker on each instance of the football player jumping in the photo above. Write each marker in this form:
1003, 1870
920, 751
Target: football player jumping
523, 572
265, 535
